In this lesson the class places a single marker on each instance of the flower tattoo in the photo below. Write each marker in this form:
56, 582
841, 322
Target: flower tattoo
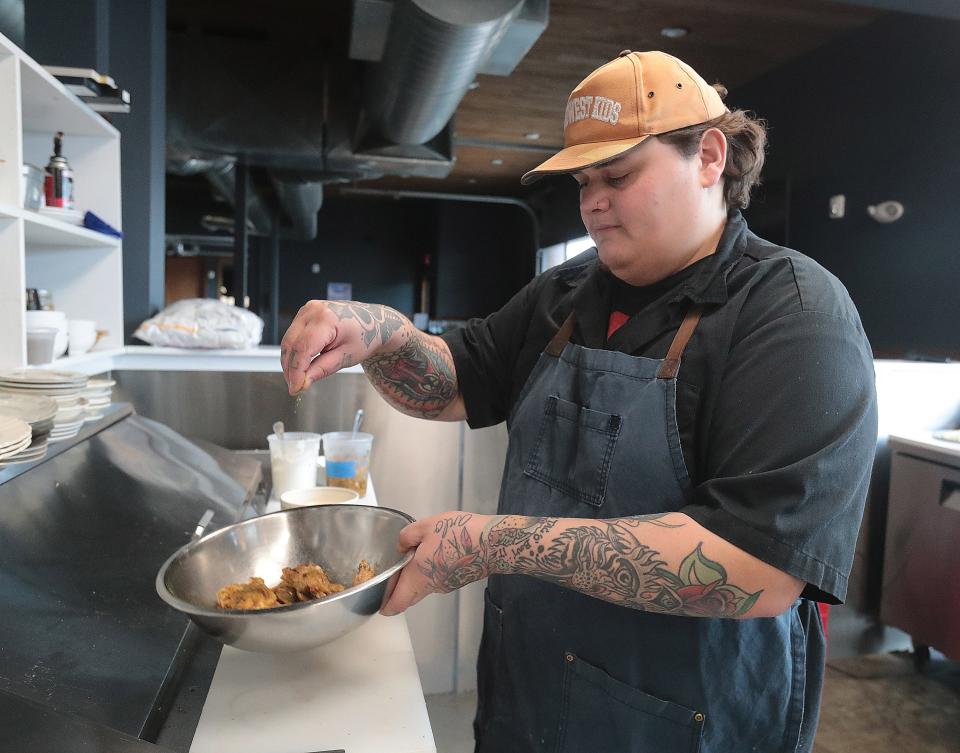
603, 559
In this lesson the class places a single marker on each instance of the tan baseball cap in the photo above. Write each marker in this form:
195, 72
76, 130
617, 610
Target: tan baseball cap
624, 102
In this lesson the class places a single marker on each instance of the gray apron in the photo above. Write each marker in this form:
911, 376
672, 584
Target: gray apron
594, 435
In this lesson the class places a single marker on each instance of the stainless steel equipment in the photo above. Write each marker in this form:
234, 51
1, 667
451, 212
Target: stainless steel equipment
336, 537
82, 533
921, 564
28, 725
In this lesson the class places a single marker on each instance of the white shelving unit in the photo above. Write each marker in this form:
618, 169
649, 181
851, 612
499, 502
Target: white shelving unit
82, 269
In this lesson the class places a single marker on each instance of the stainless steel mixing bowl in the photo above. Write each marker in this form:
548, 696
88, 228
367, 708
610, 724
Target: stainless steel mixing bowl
336, 537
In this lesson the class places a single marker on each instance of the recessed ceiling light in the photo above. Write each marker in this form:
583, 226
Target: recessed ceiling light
471, 180
533, 136
474, 85
496, 161
674, 32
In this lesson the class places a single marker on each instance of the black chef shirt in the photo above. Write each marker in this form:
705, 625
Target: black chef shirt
776, 402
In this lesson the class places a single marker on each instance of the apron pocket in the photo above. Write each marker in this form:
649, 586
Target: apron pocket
574, 449
604, 714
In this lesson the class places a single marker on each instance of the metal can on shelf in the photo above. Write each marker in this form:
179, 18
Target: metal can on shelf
58, 184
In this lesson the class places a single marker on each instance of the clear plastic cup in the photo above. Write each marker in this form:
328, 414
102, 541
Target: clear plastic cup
293, 460
348, 459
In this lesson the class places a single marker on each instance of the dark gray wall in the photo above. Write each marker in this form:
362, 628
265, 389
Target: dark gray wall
138, 44
873, 116
126, 39
486, 253
13, 21
939, 8
557, 204
69, 32
480, 255
377, 246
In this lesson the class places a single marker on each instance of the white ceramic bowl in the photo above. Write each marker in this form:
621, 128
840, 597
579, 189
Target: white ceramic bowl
58, 319
83, 334
317, 495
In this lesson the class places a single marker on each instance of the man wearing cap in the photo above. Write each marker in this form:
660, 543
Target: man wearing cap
692, 420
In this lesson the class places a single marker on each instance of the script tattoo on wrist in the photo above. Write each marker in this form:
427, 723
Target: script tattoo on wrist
375, 321
603, 559
418, 377
458, 559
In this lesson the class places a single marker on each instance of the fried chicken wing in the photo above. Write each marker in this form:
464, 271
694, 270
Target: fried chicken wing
305, 582
251, 595
364, 573
286, 594
309, 581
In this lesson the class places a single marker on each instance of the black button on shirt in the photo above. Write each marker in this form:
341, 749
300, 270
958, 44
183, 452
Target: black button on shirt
776, 402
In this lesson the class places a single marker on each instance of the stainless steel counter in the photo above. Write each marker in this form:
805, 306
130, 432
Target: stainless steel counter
82, 536
29, 726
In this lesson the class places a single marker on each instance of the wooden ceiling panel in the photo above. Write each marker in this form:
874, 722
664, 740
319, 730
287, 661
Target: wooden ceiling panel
474, 172
730, 42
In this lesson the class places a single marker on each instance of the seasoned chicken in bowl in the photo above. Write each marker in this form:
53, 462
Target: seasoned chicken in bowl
253, 554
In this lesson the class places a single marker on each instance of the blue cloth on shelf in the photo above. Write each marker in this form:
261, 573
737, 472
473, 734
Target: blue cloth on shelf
92, 222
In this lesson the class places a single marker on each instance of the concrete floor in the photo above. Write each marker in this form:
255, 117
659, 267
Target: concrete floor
874, 700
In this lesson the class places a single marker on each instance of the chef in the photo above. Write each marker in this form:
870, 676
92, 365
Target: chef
692, 421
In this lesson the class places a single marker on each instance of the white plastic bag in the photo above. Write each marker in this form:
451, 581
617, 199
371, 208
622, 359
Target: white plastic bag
202, 323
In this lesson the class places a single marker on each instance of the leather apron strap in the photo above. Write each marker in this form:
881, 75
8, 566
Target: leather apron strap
671, 364
559, 342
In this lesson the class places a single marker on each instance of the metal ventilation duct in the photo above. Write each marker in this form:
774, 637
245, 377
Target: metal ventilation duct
223, 177
313, 125
433, 51
301, 199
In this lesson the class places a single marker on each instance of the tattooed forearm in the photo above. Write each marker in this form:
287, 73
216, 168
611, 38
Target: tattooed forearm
458, 560
417, 378
376, 322
655, 520
605, 559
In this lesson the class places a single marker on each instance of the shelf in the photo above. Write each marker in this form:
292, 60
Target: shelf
82, 269
41, 231
48, 106
93, 362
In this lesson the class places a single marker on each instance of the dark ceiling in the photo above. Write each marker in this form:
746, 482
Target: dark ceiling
507, 125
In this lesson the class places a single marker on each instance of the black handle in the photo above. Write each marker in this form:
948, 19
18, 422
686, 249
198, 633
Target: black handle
950, 494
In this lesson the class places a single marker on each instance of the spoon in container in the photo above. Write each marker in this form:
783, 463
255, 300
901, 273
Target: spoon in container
278, 429
358, 419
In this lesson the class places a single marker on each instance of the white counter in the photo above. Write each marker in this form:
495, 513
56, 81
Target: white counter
924, 440
360, 693
150, 358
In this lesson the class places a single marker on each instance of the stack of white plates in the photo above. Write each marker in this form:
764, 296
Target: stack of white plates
15, 437
98, 394
39, 412
69, 419
63, 387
